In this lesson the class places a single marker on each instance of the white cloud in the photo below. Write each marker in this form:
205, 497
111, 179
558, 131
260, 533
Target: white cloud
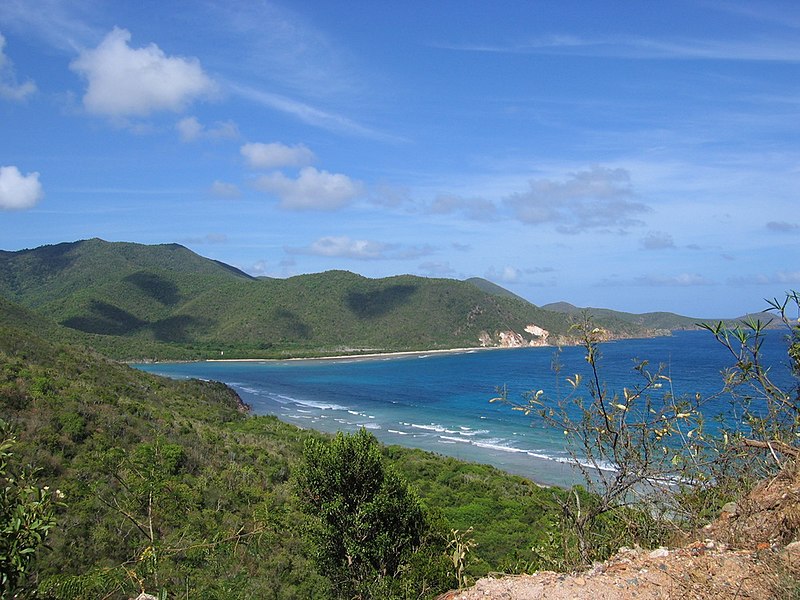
275, 155
10, 89
190, 129
18, 191
225, 190
657, 240
598, 199
507, 274
312, 190
344, 247
125, 81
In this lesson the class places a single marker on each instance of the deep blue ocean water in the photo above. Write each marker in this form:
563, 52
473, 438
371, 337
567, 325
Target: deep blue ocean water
440, 402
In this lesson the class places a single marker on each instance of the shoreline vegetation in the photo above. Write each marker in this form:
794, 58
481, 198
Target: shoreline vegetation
368, 355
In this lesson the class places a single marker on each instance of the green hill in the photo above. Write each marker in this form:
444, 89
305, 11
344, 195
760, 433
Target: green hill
652, 320
165, 301
493, 288
212, 485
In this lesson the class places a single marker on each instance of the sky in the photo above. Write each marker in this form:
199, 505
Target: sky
639, 156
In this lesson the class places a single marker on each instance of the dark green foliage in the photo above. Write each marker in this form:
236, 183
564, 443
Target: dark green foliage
135, 301
365, 522
27, 514
130, 449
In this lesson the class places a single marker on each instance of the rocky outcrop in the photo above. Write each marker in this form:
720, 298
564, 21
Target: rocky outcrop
513, 339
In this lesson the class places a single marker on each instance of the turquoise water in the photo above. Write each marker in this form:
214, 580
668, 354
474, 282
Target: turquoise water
440, 402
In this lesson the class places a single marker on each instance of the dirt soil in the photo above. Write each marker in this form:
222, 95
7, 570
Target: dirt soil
751, 551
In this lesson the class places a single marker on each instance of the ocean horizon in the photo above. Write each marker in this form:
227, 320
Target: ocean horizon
440, 402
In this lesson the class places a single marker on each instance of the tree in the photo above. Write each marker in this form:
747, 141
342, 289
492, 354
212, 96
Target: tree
625, 444
365, 521
768, 415
27, 514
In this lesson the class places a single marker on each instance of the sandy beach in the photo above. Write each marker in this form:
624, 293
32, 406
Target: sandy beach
370, 355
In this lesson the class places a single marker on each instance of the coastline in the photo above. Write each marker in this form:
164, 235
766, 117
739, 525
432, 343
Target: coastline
371, 355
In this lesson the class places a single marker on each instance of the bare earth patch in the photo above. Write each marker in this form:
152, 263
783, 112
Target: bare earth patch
749, 552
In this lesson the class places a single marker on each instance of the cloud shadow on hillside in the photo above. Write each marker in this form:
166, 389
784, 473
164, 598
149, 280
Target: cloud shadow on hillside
155, 286
379, 302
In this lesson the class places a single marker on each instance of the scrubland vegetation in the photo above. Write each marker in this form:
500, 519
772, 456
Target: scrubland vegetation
138, 483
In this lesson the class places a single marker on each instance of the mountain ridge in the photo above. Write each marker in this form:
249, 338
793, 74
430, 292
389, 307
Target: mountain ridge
167, 301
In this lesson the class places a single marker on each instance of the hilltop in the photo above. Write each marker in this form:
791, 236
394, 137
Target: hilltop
664, 321
138, 301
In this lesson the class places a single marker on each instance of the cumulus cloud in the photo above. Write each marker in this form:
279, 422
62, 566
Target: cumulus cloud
657, 240
599, 198
472, 208
312, 190
344, 247
10, 89
225, 190
18, 191
190, 130
783, 227
125, 81
276, 155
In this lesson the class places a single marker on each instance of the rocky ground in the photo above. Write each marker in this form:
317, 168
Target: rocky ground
751, 551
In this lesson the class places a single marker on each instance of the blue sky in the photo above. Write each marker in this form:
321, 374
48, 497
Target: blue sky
632, 155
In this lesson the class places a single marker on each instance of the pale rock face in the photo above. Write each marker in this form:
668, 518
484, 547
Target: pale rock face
512, 339
537, 332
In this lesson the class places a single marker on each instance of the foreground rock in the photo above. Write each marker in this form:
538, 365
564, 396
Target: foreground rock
749, 552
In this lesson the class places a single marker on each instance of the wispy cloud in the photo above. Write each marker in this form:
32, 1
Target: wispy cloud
641, 48
776, 278
209, 238
223, 189
783, 227
63, 25
10, 88
281, 48
478, 209
680, 280
190, 130
360, 249
657, 240
309, 114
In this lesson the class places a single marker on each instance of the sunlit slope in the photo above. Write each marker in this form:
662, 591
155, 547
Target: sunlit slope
166, 301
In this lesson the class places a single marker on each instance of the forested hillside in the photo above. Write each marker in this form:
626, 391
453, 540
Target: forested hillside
169, 485
165, 301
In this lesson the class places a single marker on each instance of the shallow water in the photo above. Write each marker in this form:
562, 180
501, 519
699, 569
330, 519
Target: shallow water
440, 402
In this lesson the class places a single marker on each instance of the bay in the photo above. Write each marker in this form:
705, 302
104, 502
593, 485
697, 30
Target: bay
441, 401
